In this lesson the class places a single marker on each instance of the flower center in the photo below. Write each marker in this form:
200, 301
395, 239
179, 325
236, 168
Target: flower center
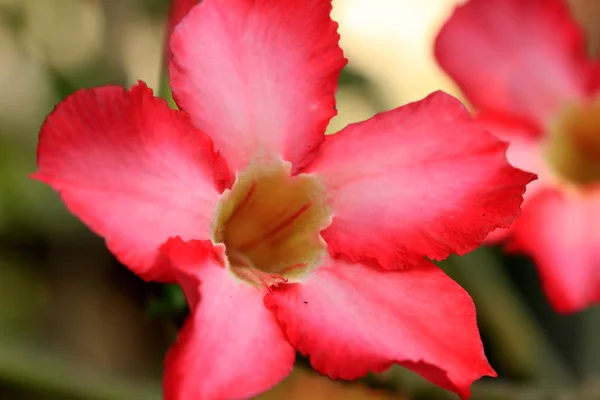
573, 147
270, 224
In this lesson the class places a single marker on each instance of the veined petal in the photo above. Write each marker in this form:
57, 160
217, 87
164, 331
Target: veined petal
351, 319
419, 181
258, 76
561, 231
135, 171
231, 347
516, 57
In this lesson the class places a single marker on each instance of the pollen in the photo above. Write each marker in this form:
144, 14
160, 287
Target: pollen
270, 224
573, 145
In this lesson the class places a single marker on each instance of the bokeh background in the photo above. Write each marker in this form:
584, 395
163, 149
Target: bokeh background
76, 325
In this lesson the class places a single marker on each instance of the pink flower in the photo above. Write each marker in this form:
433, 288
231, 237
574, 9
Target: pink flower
281, 238
523, 65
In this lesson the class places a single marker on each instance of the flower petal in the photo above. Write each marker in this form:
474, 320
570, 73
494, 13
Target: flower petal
420, 181
258, 76
231, 347
561, 231
516, 57
351, 319
524, 152
135, 171
177, 10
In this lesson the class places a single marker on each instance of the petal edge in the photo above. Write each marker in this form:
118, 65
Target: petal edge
258, 76
133, 170
230, 347
423, 180
351, 319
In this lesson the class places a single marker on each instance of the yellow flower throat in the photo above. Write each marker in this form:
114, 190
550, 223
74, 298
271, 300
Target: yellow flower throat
270, 224
573, 146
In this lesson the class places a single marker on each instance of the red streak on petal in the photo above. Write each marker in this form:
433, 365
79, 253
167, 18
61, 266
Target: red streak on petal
276, 229
242, 204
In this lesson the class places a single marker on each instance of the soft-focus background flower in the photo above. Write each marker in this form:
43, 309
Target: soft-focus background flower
74, 324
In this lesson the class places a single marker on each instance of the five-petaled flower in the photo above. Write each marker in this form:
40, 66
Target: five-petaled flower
523, 64
281, 238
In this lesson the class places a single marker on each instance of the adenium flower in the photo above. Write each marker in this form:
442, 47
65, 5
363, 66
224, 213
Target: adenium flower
523, 65
284, 239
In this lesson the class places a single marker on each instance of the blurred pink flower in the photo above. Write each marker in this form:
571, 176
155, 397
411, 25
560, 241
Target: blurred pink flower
524, 66
284, 239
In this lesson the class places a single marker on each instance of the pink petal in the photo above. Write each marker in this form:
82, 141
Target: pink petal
525, 145
524, 152
231, 347
561, 231
351, 319
258, 76
420, 181
177, 10
516, 57
135, 171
